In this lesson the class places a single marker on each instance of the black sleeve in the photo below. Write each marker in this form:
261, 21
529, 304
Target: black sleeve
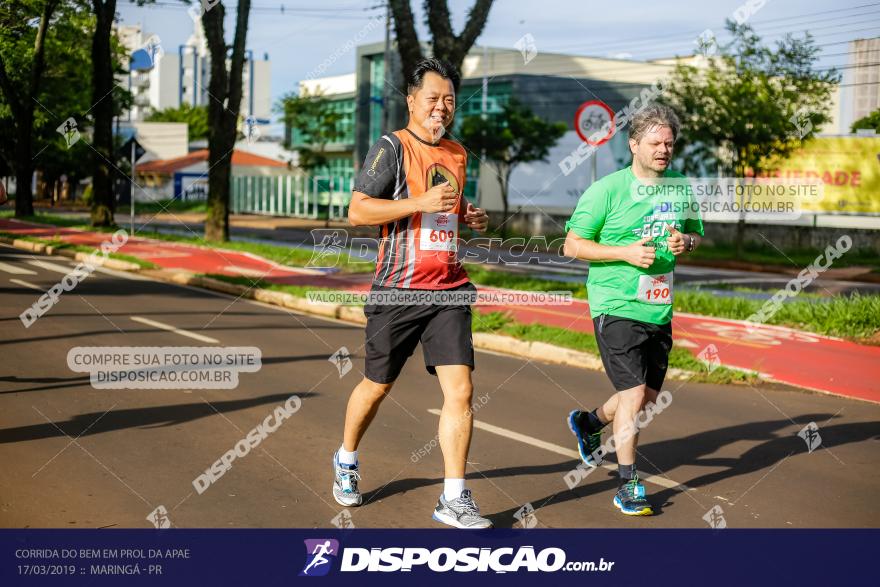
378, 176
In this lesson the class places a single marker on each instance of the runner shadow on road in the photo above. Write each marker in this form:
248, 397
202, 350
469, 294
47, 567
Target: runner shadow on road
297, 358
403, 485
140, 313
600, 484
693, 450
87, 334
145, 331
60, 381
774, 446
503, 519
152, 417
765, 455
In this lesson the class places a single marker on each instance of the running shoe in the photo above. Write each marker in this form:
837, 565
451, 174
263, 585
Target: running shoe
588, 440
630, 499
460, 513
345, 483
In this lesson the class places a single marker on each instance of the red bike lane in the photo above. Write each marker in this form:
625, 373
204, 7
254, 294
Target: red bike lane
797, 358
812, 361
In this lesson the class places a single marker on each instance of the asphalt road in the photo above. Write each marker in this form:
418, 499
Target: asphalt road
76, 456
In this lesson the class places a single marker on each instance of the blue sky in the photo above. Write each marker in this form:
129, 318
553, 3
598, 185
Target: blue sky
307, 33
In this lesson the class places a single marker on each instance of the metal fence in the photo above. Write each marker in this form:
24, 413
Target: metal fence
292, 195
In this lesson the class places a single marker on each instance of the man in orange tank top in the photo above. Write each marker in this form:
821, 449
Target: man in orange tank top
410, 187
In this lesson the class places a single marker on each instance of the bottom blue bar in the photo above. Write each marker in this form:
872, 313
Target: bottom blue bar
399, 557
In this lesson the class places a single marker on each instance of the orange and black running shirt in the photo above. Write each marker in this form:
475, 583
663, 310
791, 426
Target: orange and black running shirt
419, 251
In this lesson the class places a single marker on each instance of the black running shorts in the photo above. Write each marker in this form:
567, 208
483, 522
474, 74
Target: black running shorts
634, 353
394, 330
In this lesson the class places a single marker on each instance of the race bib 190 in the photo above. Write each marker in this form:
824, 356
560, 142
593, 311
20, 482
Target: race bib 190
655, 289
439, 232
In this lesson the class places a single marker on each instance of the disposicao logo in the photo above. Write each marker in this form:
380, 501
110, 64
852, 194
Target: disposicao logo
320, 554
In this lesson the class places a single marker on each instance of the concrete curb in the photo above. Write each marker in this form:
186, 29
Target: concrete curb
506, 345
91, 259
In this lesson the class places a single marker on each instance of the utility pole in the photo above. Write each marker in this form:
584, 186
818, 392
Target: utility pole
386, 94
131, 187
485, 98
484, 106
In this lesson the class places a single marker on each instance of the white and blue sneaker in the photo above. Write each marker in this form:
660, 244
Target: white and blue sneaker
460, 513
631, 500
345, 483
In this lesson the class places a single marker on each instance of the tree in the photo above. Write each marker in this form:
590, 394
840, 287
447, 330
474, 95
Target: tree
509, 138
446, 44
314, 119
196, 118
20, 85
224, 90
871, 121
108, 100
103, 85
749, 105
66, 60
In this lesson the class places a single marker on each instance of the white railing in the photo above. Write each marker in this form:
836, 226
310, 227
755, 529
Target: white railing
319, 196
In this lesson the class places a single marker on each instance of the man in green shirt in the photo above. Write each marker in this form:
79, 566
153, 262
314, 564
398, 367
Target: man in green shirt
631, 225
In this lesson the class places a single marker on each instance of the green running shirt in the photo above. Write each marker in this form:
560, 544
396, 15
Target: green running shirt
619, 210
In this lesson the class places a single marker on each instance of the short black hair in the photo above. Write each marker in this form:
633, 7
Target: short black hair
442, 68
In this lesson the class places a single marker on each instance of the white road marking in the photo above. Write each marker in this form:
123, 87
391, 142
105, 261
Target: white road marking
174, 329
567, 452
65, 269
683, 342
15, 269
26, 284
